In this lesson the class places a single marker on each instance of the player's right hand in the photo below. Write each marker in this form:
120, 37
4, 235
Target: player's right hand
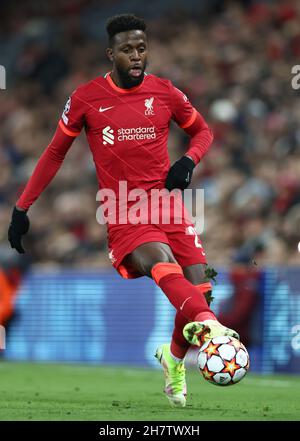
18, 227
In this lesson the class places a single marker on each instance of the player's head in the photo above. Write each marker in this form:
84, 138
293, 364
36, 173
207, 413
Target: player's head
127, 48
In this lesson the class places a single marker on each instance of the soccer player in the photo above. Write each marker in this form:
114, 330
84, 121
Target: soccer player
126, 115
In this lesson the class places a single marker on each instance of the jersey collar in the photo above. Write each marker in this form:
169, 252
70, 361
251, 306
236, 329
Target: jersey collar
119, 89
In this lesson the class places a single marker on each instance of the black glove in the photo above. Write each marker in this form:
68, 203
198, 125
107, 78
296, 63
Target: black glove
180, 174
19, 225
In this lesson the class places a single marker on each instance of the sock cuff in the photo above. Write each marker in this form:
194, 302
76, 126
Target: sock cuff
204, 287
163, 269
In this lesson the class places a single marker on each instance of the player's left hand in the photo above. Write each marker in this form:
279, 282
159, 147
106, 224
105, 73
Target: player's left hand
180, 174
18, 227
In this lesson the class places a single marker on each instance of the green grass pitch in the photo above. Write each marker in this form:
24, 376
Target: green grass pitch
72, 392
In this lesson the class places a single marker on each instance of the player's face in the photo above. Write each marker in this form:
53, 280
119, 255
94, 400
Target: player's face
129, 57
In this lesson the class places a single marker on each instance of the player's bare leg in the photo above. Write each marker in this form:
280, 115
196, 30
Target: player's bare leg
144, 257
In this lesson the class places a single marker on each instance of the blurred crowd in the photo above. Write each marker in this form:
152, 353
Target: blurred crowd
234, 63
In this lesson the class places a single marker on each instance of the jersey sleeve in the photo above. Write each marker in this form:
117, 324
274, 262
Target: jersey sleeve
183, 113
73, 116
46, 168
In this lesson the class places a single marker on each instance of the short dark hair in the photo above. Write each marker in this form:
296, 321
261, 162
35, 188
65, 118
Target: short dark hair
123, 23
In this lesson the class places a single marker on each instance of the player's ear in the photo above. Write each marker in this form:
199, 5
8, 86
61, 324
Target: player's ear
110, 54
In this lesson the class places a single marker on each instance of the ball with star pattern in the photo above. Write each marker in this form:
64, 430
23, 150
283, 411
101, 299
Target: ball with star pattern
223, 360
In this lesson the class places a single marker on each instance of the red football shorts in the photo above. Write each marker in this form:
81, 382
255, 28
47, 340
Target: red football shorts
182, 238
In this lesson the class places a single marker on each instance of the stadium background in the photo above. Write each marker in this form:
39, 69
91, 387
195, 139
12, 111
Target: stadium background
62, 300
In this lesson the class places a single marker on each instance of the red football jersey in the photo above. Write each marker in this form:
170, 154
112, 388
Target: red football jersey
127, 129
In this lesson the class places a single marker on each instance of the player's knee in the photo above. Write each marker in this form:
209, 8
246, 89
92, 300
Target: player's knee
161, 257
145, 257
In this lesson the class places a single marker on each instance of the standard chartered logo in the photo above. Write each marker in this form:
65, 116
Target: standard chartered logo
108, 135
129, 134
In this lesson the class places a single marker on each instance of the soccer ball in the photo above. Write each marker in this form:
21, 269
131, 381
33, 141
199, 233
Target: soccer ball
223, 360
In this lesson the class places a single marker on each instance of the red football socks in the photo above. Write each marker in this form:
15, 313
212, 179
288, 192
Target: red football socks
183, 295
179, 345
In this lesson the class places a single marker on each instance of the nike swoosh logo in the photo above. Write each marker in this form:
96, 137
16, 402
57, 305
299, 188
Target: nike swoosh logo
103, 109
181, 307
